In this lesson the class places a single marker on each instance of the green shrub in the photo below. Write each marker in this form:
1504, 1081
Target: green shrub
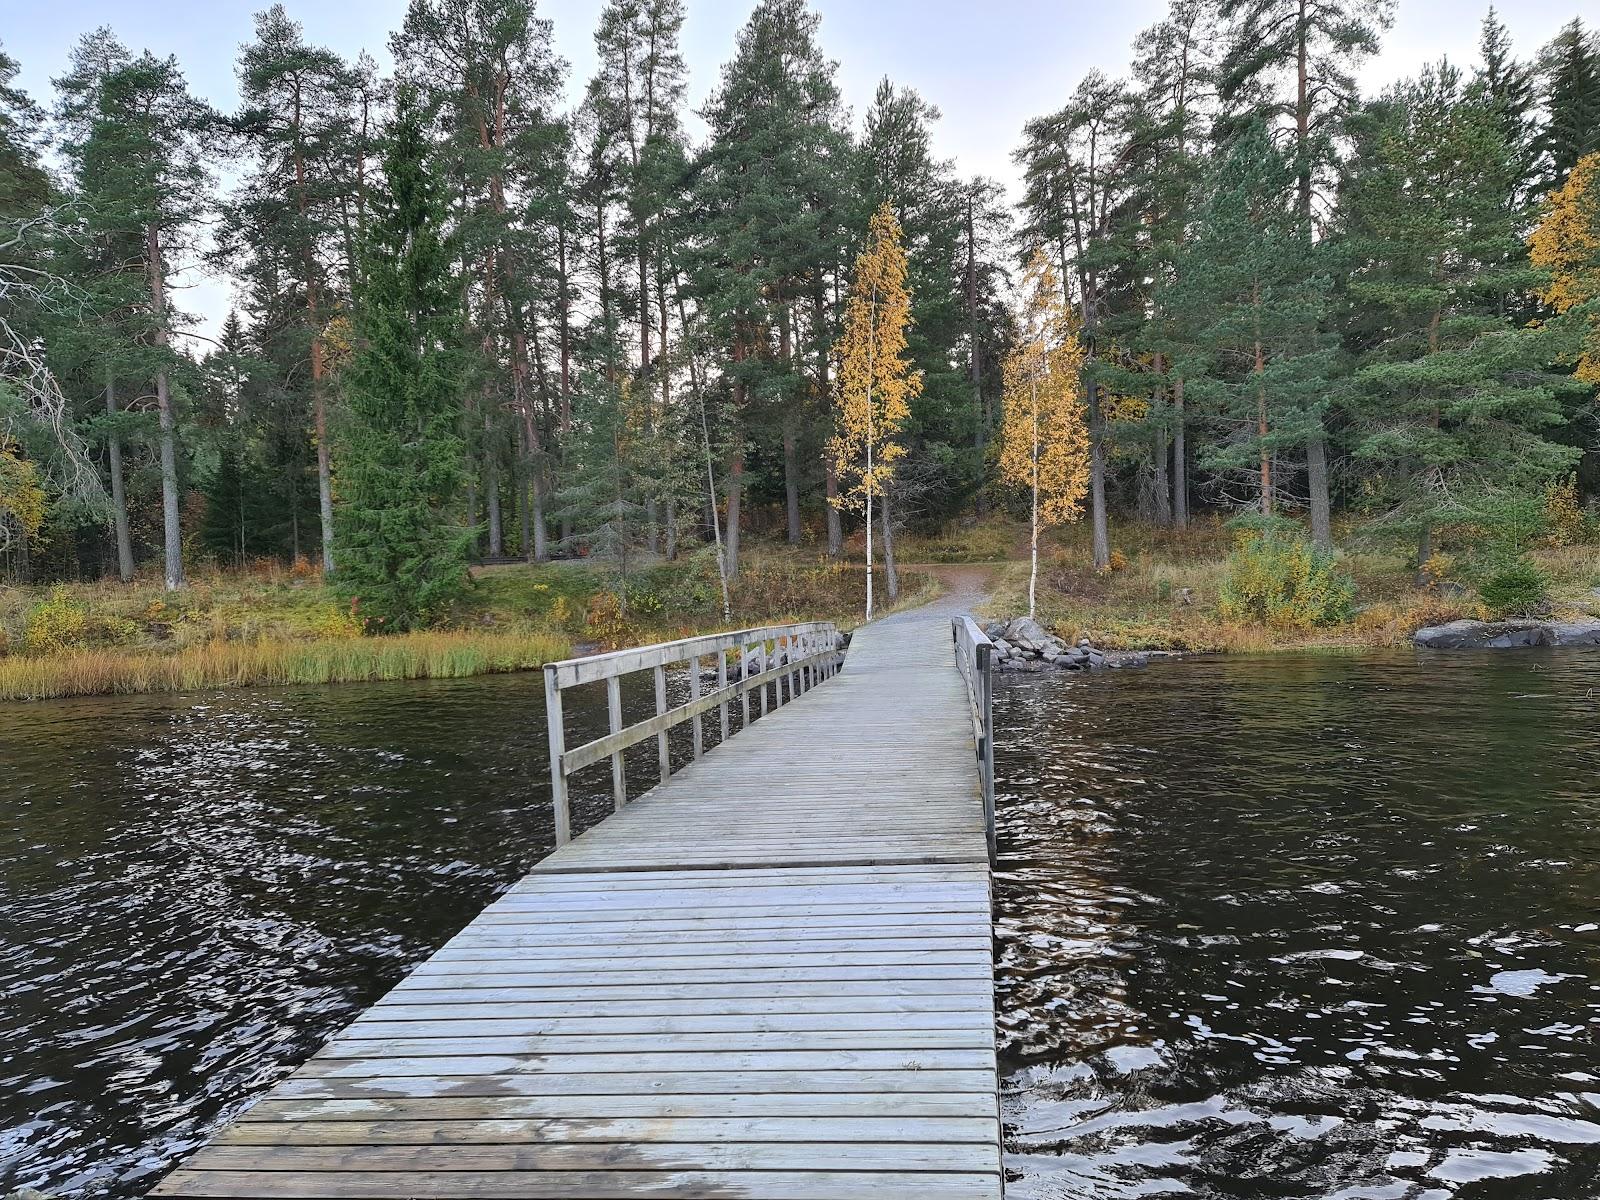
1276, 576
1515, 588
56, 625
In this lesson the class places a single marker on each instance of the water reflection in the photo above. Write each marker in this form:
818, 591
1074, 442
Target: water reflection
196, 893
1308, 927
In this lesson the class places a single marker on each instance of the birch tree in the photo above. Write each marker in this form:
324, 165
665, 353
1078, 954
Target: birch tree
876, 381
1044, 435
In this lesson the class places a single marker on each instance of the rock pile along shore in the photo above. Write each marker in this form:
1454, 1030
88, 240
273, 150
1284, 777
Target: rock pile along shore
1022, 644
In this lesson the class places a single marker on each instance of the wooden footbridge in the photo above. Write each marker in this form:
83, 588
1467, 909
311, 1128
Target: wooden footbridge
767, 977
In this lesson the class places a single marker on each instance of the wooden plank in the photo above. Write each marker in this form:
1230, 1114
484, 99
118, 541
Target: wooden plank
896, 1080
587, 1156
425, 1128
820, 1061
598, 1185
652, 1105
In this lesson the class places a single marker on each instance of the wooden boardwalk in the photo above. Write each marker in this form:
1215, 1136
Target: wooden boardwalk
769, 977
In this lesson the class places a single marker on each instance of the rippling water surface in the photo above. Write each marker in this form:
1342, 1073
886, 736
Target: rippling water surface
1303, 928
1268, 928
195, 891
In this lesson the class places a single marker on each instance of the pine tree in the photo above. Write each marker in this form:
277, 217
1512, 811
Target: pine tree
1044, 442
285, 215
1453, 399
1253, 299
768, 229
399, 470
1317, 45
137, 142
876, 382
490, 75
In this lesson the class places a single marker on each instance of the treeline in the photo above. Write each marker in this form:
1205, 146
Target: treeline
1296, 298
1290, 297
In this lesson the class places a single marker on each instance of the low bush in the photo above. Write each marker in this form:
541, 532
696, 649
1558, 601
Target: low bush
1515, 588
1276, 576
62, 623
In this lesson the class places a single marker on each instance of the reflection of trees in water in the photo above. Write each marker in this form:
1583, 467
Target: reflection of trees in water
1250, 914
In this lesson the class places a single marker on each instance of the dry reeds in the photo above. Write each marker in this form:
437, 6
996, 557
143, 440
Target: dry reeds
227, 664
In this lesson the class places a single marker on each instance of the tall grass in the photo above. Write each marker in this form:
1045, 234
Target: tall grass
227, 664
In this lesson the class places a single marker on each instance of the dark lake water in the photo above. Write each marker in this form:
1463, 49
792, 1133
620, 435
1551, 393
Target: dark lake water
1303, 927
1269, 927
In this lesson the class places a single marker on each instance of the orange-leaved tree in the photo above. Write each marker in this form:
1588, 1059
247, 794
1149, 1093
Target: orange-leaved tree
1567, 245
1044, 436
876, 382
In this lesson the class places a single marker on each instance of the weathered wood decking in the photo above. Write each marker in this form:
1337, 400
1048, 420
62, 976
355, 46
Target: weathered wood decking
768, 978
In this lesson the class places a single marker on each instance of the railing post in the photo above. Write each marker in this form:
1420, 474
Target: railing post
558, 749
986, 770
694, 694
619, 777
764, 680
663, 750
744, 677
722, 684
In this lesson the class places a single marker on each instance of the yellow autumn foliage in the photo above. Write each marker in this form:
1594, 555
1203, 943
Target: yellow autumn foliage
22, 496
1044, 436
1567, 244
876, 383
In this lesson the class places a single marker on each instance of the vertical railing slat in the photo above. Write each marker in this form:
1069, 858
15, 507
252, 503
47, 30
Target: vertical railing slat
694, 694
722, 685
663, 750
558, 750
619, 777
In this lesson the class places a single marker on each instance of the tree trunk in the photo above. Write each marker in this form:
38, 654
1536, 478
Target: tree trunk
324, 465
1424, 553
980, 418
831, 469
890, 574
1317, 483
565, 323
1180, 459
835, 525
1097, 484
119, 494
672, 528
171, 527
791, 480
1158, 456
524, 480
1261, 406
491, 488
730, 543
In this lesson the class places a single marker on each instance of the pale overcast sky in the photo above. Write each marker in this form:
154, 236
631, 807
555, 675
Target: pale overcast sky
988, 64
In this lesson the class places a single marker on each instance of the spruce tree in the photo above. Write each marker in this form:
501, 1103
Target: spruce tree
1453, 399
1570, 78
402, 557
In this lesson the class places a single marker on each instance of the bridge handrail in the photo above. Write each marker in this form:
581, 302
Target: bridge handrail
795, 657
975, 660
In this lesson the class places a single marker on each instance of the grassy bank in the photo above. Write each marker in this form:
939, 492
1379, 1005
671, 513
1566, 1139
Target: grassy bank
272, 625
1163, 593
448, 654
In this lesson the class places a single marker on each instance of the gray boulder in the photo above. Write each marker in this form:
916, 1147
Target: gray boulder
1574, 633
1028, 634
1026, 666
1507, 635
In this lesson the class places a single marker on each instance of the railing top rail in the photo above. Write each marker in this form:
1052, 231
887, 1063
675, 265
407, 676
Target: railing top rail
972, 629
572, 671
